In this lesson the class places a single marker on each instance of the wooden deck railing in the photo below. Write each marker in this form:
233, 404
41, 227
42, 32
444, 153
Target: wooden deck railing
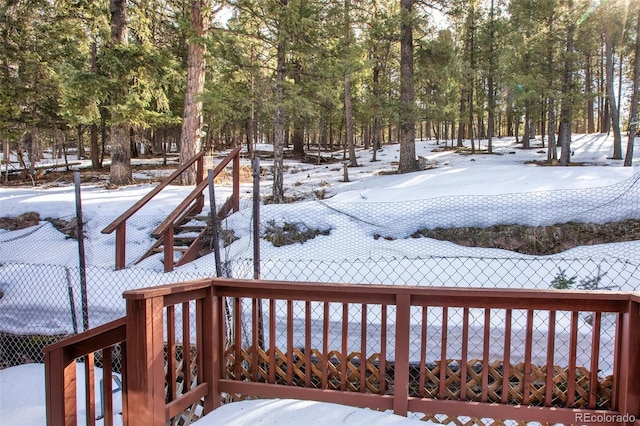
525, 355
120, 224
60, 374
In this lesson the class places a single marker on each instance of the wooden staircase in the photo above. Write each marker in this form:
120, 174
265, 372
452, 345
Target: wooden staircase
189, 238
183, 235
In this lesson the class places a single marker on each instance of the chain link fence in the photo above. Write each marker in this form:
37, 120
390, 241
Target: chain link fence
400, 243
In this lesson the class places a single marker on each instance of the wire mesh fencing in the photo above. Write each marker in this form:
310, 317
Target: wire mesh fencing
397, 243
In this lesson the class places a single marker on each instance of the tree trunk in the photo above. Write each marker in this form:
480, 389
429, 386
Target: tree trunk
348, 118
278, 122
588, 88
407, 161
191, 134
633, 114
81, 151
120, 172
552, 152
615, 114
566, 111
462, 109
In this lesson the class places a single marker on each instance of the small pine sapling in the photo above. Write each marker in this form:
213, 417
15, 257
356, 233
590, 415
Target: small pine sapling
562, 282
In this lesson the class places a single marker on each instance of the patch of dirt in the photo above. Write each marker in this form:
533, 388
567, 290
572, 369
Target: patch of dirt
25, 220
29, 219
290, 233
538, 240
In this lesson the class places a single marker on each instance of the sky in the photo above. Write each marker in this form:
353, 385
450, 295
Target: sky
452, 182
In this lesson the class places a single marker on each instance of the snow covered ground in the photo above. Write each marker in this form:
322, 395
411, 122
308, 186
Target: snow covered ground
482, 184
460, 190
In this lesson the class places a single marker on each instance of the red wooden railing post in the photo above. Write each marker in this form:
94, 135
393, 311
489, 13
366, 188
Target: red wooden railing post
121, 244
60, 385
212, 347
629, 379
145, 360
401, 369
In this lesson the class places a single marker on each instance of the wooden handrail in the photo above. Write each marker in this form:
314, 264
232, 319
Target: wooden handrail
182, 207
144, 200
166, 290
605, 301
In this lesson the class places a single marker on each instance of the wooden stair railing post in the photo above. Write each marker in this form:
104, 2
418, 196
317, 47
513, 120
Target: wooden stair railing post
200, 178
236, 182
145, 361
168, 248
60, 385
629, 372
121, 246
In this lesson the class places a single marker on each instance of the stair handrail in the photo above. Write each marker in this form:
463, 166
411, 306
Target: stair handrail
166, 227
119, 225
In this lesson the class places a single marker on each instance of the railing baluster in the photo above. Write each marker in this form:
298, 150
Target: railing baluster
551, 339
89, 390
423, 354
464, 355
307, 344
485, 355
255, 325
289, 342
573, 350
617, 354
383, 351
186, 348
363, 348
325, 345
596, 321
171, 353
345, 346
237, 337
506, 357
272, 341
526, 382
107, 387
125, 380
443, 353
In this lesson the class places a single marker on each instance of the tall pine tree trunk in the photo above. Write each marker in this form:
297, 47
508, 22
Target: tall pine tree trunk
633, 114
588, 88
407, 161
278, 122
566, 111
552, 153
191, 134
490, 88
348, 105
120, 172
615, 114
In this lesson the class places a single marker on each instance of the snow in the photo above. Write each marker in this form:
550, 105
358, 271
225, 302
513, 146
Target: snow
22, 403
372, 203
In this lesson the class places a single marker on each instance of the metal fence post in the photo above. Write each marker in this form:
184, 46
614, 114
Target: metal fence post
82, 258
